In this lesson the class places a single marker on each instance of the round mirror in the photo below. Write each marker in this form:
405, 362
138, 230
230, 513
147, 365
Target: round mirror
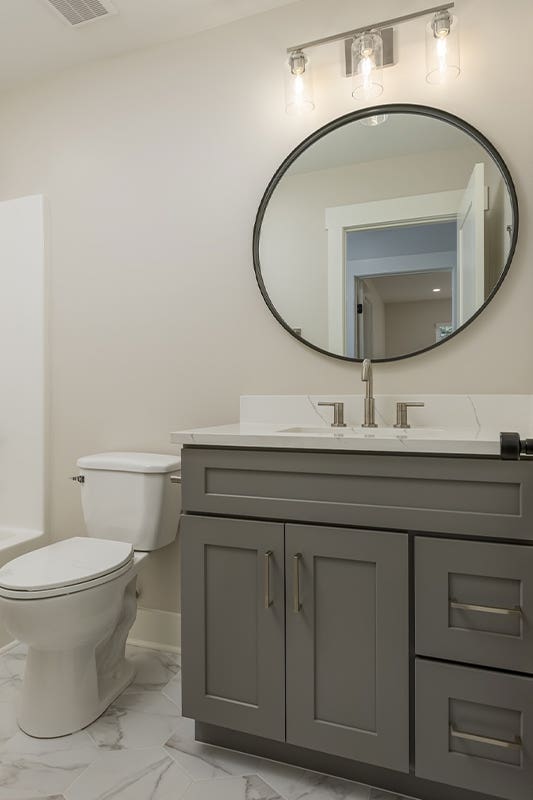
385, 233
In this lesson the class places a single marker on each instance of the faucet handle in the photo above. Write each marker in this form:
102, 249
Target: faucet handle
338, 414
401, 413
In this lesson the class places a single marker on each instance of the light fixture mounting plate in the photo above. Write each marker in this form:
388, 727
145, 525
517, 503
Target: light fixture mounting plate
387, 34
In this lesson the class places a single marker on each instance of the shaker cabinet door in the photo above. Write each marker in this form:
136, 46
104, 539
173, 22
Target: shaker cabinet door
347, 643
233, 624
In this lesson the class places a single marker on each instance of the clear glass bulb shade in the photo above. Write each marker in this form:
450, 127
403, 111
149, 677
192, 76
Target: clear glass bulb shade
299, 97
375, 119
442, 49
367, 64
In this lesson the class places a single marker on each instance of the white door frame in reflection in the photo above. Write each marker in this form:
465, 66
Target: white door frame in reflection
471, 245
340, 220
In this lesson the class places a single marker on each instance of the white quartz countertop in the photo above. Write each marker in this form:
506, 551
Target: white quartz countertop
448, 424
409, 441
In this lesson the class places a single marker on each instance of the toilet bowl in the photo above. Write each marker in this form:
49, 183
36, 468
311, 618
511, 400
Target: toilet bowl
73, 602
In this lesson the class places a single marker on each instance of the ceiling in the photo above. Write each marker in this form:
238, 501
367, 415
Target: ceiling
400, 135
414, 287
402, 240
34, 40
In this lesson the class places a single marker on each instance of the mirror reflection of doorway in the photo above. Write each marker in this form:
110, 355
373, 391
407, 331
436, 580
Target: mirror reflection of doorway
400, 283
403, 310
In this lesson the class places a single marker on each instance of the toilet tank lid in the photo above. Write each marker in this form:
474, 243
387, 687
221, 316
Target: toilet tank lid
131, 462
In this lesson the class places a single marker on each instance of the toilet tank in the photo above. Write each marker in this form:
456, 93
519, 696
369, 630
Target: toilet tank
129, 497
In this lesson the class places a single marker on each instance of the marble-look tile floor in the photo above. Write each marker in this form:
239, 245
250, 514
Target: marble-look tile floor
143, 749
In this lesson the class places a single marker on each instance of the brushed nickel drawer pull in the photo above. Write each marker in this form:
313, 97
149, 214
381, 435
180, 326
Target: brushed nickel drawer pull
507, 612
296, 605
268, 601
473, 737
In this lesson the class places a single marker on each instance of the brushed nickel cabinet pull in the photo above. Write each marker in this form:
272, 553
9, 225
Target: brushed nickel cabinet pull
296, 605
268, 601
473, 737
507, 612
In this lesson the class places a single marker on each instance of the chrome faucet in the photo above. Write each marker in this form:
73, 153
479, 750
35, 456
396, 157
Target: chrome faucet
366, 377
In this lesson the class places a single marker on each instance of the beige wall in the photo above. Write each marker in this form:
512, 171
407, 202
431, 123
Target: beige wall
153, 165
410, 326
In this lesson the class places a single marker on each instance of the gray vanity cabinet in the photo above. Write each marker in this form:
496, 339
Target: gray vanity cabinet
364, 615
233, 624
347, 643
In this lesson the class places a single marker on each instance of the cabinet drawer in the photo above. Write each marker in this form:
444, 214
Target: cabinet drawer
468, 496
474, 602
474, 729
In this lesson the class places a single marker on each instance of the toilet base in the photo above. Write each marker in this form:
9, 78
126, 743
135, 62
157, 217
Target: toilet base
69, 681
123, 679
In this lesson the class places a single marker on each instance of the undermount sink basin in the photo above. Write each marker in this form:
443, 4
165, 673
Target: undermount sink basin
371, 433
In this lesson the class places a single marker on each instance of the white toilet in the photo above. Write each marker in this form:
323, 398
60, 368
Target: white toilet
74, 602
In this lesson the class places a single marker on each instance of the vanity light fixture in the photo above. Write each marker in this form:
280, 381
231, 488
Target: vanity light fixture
367, 64
371, 48
298, 84
436, 290
442, 48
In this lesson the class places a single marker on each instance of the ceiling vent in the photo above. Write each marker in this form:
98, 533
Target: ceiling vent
80, 12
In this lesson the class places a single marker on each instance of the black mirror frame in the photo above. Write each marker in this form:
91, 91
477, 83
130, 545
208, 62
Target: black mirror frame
393, 108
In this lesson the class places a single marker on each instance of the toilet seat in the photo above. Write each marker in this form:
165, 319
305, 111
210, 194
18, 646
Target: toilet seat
72, 565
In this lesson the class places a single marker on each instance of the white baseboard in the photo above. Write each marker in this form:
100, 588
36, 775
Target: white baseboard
6, 640
158, 630
8, 646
